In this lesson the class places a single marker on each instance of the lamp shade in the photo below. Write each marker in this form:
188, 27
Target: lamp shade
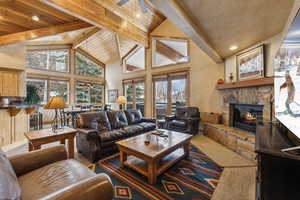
121, 100
56, 103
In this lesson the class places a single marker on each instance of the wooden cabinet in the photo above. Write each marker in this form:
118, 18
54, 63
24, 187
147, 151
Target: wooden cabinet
12, 83
12, 128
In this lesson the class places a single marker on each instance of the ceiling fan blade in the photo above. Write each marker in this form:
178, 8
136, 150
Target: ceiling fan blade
122, 2
143, 6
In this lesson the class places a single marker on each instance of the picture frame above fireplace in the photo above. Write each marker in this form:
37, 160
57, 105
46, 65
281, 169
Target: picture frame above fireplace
251, 64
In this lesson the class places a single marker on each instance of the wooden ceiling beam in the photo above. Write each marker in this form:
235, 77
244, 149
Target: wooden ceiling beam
97, 15
121, 12
47, 9
182, 20
42, 32
118, 44
82, 38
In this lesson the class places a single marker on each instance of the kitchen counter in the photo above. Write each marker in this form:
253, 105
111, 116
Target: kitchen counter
18, 106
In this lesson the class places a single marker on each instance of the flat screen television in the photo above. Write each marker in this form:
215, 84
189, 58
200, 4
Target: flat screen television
287, 79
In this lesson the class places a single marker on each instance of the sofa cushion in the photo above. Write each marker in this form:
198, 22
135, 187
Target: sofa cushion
84, 119
112, 135
9, 186
117, 119
133, 130
102, 123
179, 123
133, 116
46, 180
147, 126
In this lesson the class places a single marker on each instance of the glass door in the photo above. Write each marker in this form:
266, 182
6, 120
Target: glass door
169, 92
161, 98
140, 96
178, 93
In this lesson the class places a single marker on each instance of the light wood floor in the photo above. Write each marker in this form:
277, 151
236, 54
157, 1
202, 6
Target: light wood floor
237, 181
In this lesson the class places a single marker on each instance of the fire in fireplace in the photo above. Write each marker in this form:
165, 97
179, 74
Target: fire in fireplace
245, 116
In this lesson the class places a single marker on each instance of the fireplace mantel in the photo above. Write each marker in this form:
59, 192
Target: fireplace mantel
247, 83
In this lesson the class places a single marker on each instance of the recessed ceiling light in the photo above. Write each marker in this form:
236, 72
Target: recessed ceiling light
35, 18
232, 48
138, 15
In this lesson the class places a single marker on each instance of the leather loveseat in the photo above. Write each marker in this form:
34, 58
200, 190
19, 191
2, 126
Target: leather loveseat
186, 120
98, 131
48, 174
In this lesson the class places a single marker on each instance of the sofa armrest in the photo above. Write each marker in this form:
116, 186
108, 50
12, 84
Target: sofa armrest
152, 120
91, 134
170, 118
24, 163
94, 188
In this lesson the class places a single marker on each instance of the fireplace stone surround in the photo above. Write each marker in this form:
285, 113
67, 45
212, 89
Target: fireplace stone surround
240, 141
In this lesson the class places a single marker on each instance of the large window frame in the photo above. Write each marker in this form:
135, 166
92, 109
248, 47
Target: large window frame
48, 86
169, 77
91, 59
89, 82
133, 83
51, 49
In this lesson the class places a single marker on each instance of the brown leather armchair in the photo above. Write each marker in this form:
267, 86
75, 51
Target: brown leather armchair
48, 174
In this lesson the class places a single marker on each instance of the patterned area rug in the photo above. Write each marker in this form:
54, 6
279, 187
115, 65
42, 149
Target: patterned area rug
193, 178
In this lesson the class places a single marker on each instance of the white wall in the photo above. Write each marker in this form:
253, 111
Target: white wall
271, 47
204, 73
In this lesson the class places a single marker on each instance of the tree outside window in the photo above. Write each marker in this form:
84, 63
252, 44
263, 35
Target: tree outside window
48, 88
89, 93
135, 95
55, 60
87, 67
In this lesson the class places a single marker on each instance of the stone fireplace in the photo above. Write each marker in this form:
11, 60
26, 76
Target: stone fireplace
241, 109
245, 116
260, 95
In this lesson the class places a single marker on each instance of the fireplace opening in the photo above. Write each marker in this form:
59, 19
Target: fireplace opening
246, 116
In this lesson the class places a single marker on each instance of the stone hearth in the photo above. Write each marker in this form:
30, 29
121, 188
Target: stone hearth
239, 141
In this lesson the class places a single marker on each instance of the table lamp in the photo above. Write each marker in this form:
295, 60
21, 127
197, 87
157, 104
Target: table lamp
56, 103
121, 100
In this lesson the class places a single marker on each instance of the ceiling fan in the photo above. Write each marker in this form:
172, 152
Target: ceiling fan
141, 2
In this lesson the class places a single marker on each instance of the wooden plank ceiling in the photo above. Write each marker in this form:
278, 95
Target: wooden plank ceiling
106, 42
16, 16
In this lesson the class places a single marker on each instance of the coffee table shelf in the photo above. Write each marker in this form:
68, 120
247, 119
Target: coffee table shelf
165, 163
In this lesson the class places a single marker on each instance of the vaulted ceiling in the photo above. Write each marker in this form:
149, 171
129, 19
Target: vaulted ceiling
108, 31
215, 25
241, 23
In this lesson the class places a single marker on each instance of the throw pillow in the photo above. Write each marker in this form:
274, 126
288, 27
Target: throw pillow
9, 186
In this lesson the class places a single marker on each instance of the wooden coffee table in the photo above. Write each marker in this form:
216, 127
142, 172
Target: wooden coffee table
154, 158
45, 136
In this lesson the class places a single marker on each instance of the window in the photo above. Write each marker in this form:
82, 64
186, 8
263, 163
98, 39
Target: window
87, 92
134, 91
168, 51
41, 86
87, 67
135, 61
59, 88
50, 87
56, 60
170, 91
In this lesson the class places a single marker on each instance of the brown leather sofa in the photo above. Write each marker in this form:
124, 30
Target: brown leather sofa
98, 131
48, 174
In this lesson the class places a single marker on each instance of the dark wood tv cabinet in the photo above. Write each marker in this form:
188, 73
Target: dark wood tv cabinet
278, 173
